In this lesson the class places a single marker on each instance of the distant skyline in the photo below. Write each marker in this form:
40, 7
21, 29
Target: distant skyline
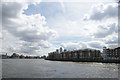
37, 28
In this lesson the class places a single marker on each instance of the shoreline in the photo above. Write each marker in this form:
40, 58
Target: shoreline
74, 60
98, 61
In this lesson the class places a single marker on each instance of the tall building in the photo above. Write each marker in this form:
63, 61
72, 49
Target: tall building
57, 51
65, 50
60, 49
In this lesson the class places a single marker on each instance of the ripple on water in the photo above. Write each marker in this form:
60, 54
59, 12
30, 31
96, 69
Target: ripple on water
57, 69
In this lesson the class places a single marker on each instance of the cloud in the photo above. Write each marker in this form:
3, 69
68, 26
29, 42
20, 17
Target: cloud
105, 18
102, 11
84, 45
34, 35
25, 1
96, 44
112, 39
31, 29
73, 45
105, 30
29, 48
113, 45
45, 44
107, 33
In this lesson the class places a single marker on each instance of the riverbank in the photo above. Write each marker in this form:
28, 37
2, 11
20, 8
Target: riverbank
75, 60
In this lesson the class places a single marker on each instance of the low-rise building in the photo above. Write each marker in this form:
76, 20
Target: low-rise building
4, 56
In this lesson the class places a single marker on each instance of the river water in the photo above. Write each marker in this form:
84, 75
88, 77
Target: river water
39, 68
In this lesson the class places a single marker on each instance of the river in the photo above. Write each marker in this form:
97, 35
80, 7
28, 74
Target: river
39, 68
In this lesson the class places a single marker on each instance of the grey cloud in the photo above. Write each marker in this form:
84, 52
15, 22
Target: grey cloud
107, 31
97, 44
113, 40
103, 11
113, 45
26, 48
11, 10
44, 44
31, 35
29, 50
104, 31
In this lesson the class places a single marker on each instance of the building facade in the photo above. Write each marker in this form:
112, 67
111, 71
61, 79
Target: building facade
83, 54
111, 53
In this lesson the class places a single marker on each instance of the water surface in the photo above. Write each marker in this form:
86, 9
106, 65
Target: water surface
39, 68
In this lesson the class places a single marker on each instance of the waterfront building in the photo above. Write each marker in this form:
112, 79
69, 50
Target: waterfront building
65, 50
60, 49
75, 55
4, 56
50, 55
14, 55
104, 53
57, 51
64, 55
87, 54
21, 56
111, 53
42, 57
82, 54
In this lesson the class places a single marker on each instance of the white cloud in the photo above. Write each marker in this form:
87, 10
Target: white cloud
104, 22
28, 28
23, 1
31, 29
69, 28
34, 35
84, 45
73, 45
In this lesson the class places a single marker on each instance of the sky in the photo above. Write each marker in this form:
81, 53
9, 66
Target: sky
37, 28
